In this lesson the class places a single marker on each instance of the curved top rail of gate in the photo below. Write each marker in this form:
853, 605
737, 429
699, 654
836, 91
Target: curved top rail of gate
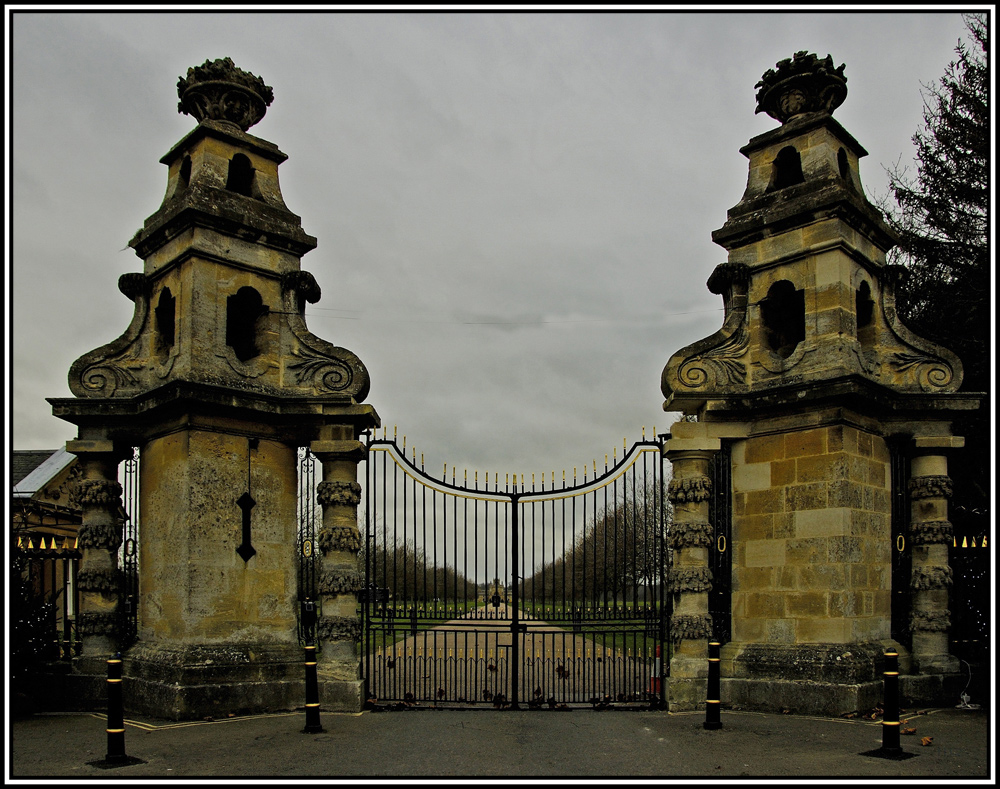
516, 491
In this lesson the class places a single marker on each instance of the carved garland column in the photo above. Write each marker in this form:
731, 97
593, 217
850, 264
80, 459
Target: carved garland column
98, 493
931, 575
338, 627
689, 579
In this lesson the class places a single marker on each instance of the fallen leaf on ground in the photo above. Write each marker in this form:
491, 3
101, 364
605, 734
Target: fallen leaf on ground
926, 740
907, 731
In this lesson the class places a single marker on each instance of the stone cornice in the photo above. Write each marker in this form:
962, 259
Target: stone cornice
178, 403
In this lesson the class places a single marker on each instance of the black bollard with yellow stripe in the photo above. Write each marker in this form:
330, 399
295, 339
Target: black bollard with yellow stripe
890, 705
713, 702
116, 712
313, 724
890, 748
115, 756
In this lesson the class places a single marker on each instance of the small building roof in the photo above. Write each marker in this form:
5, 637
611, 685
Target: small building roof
31, 469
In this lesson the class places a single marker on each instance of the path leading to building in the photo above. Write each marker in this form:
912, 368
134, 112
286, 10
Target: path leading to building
467, 660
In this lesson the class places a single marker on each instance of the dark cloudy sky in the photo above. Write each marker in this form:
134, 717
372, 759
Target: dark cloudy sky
514, 211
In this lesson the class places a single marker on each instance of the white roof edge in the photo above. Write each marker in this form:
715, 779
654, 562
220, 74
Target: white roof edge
45, 471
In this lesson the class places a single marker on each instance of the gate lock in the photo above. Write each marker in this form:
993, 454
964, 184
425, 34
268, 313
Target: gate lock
308, 614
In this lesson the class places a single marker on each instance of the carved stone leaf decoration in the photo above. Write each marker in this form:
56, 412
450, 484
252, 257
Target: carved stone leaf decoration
932, 372
321, 371
118, 368
722, 367
314, 362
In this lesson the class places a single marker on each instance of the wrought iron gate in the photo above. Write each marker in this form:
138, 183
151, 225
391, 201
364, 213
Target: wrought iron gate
507, 592
899, 470
720, 600
128, 554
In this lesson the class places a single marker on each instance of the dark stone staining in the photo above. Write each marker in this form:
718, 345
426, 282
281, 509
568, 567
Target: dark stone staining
783, 313
787, 169
244, 311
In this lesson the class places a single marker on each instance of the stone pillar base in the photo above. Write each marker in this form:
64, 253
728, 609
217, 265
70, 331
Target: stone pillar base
939, 690
936, 664
686, 693
195, 681
811, 679
800, 696
340, 695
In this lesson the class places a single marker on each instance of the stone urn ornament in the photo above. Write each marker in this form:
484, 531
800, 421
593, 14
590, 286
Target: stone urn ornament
219, 91
802, 83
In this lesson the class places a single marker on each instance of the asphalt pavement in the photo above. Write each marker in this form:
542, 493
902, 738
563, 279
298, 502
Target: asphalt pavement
946, 744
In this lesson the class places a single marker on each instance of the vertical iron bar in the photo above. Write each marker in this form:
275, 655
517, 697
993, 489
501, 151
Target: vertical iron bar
515, 646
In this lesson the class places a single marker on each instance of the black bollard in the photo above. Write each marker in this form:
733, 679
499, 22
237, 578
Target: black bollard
116, 712
890, 748
890, 705
115, 756
312, 694
713, 702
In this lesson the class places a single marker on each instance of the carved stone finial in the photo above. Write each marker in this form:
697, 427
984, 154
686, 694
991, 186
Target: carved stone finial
802, 83
219, 91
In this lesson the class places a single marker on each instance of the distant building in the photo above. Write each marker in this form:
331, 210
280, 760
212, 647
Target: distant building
44, 526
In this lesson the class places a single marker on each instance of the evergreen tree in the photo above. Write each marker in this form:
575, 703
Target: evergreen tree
942, 214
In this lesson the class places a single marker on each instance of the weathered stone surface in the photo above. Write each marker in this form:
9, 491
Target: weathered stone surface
333, 582
337, 492
690, 627
340, 538
689, 489
689, 579
107, 580
802, 83
809, 379
339, 628
690, 535
930, 487
97, 493
105, 536
217, 90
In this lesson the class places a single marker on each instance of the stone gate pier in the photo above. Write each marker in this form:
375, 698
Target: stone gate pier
838, 421
218, 380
